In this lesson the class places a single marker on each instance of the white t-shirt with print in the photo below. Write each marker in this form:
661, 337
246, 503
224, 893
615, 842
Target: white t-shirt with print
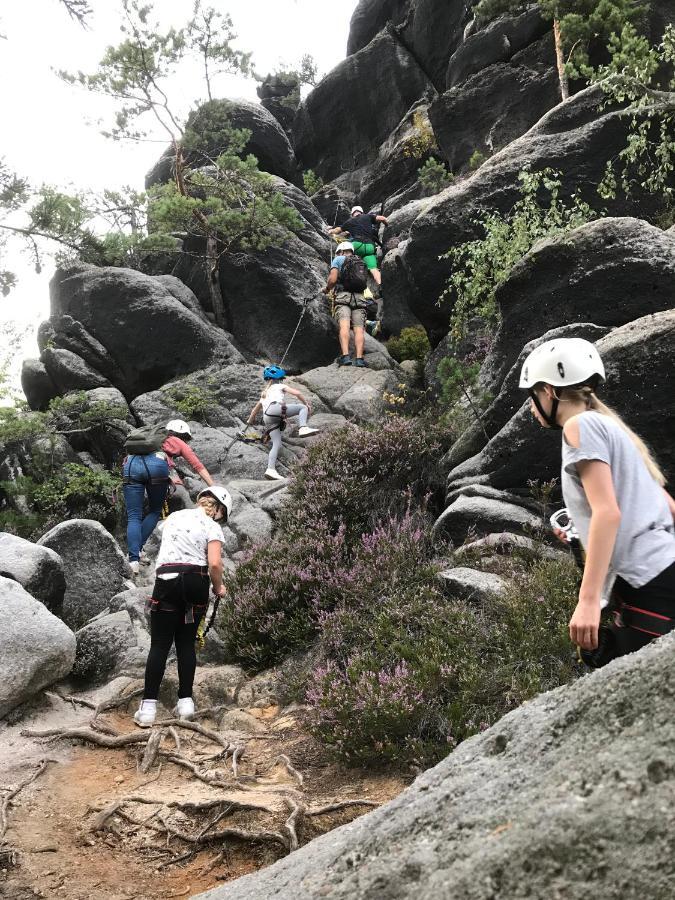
186, 536
273, 394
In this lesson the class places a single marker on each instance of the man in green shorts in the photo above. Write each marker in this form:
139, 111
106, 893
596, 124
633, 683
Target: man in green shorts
362, 229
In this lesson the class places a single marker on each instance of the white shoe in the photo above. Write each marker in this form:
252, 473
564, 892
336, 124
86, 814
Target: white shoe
185, 708
305, 430
273, 475
135, 567
146, 713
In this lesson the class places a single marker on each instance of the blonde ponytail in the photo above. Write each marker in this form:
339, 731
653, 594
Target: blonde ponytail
587, 396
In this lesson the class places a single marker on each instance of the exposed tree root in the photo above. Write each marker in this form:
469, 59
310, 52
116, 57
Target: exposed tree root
282, 758
291, 823
340, 804
13, 791
88, 734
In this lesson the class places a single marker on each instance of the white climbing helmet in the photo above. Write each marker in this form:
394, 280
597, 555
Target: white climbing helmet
356, 209
178, 426
345, 245
221, 494
562, 362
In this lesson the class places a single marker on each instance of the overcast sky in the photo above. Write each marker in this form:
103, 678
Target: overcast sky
50, 132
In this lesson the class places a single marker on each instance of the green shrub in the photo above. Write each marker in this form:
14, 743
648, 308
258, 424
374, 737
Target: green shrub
479, 267
422, 140
192, 401
412, 343
312, 182
476, 160
434, 175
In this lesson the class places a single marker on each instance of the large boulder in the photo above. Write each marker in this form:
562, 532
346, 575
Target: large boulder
37, 569
268, 141
37, 648
577, 137
104, 646
640, 386
147, 334
69, 372
553, 798
95, 567
357, 394
497, 104
370, 17
432, 31
467, 515
350, 113
36, 384
609, 272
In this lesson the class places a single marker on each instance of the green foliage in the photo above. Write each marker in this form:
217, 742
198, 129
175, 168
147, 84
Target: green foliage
433, 175
18, 426
634, 76
487, 10
192, 401
457, 379
76, 412
476, 160
312, 182
423, 140
480, 266
209, 34
412, 343
78, 491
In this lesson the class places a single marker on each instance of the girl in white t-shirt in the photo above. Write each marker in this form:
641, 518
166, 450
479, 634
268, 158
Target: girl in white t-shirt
276, 410
189, 561
613, 490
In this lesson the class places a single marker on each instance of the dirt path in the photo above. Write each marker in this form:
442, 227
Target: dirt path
93, 825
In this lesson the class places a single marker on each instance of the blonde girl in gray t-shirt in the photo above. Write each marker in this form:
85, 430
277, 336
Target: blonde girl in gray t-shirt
614, 492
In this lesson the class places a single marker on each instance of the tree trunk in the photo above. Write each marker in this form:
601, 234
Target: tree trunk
213, 279
560, 61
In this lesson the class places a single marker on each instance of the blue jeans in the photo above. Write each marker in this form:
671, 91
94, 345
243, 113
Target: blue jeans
152, 481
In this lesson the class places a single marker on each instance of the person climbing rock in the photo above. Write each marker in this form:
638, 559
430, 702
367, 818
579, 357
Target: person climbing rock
189, 560
145, 476
176, 445
276, 410
362, 229
613, 491
346, 283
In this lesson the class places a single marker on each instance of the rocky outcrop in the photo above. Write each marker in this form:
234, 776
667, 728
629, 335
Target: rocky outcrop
37, 648
534, 806
69, 372
370, 17
94, 566
484, 514
576, 137
38, 570
280, 95
471, 585
105, 646
36, 384
268, 142
147, 334
345, 119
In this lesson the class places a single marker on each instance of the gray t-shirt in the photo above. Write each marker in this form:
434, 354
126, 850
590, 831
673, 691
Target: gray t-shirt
645, 541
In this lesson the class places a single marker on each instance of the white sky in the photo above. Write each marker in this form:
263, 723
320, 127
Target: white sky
50, 132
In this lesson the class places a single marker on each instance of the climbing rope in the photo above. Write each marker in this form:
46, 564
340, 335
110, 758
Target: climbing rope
305, 304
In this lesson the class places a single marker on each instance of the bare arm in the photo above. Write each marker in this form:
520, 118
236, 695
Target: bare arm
382, 219
295, 393
215, 561
204, 475
332, 281
254, 413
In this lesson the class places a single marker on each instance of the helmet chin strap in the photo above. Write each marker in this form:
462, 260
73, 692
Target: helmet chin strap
549, 418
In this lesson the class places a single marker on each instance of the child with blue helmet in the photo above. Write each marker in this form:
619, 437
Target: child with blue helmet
276, 410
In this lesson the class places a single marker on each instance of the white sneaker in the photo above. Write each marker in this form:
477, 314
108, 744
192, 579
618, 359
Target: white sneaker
146, 713
305, 430
185, 708
135, 567
273, 475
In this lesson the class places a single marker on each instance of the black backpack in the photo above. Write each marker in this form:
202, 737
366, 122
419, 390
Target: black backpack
144, 440
354, 275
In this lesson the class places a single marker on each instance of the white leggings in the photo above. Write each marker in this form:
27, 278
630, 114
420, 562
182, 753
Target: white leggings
272, 417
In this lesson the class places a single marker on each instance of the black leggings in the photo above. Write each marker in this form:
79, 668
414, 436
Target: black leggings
643, 614
167, 628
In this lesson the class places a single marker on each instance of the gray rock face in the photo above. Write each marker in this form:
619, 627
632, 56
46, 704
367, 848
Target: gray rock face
532, 807
148, 335
432, 32
471, 584
69, 372
640, 386
575, 137
610, 271
370, 17
497, 104
354, 393
94, 565
36, 384
37, 648
483, 514
268, 142
330, 151
38, 570
102, 646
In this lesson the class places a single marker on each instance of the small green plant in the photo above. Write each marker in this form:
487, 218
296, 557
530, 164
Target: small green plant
423, 140
479, 267
476, 160
412, 343
312, 182
192, 401
433, 175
